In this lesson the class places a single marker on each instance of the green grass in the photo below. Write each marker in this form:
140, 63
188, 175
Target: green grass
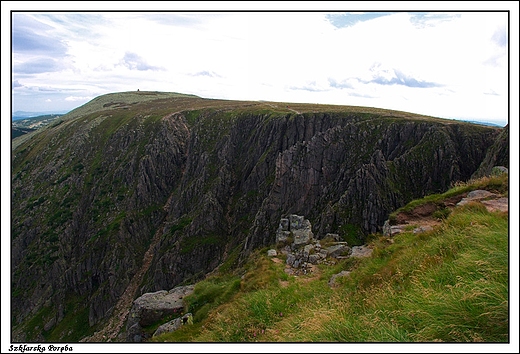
445, 285
183, 222
75, 324
189, 244
451, 287
209, 294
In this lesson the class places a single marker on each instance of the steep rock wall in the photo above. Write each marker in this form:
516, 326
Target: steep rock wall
84, 210
90, 192
345, 173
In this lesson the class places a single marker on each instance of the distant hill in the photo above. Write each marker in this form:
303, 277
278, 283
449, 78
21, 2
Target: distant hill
21, 126
485, 123
18, 115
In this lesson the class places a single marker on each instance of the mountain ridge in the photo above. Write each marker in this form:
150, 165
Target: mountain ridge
92, 189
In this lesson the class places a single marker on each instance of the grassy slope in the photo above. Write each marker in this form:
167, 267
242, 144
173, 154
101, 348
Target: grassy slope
156, 103
447, 285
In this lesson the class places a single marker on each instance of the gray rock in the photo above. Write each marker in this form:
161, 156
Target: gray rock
151, 307
284, 224
479, 194
174, 324
283, 233
387, 229
498, 170
271, 253
295, 222
308, 249
314, 258
421, 229
282, 236
303, 234
500, 204
332, 282
290, 259
475, 195
50, 324
391, 230
134, 333
338, 250
361, 251
397, 229
171, 326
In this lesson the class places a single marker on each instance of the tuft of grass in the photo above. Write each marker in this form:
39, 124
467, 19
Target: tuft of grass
261, 273
210, 293
327, 241
442, 213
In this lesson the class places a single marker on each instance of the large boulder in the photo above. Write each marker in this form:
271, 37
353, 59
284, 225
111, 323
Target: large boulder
303, 235
338, 249
476, 195
295, 228
151, 307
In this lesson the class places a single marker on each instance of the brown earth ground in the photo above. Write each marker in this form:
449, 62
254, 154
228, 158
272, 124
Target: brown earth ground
422, 215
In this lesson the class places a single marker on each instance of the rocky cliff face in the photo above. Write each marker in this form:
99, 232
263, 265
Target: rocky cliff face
497, 154
212, 178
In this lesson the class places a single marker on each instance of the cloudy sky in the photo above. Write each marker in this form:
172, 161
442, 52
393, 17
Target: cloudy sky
443, 64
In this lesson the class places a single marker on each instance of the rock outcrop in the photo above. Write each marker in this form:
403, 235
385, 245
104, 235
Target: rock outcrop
497, 155
302, 255
152, 307
296, 228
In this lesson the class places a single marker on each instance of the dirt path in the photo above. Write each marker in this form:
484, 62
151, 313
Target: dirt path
287, 107
123, 306
422, 215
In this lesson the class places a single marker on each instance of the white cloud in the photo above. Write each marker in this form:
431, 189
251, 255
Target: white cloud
77, 98
398, 58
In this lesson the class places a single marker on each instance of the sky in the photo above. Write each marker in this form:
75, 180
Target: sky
439, 63
443, 64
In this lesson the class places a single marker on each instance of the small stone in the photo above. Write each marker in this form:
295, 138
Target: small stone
332, 282
422, 229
